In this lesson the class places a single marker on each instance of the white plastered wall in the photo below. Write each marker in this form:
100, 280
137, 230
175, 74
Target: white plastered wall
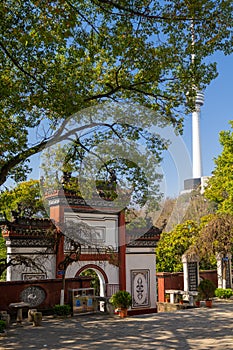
46, 264
105, 227
105, 235
142, 258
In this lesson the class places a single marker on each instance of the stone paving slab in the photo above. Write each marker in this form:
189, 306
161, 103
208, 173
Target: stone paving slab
199, 329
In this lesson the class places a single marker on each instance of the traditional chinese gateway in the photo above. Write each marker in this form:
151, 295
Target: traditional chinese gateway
121, 261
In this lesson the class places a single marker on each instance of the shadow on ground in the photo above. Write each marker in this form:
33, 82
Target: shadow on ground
197, 329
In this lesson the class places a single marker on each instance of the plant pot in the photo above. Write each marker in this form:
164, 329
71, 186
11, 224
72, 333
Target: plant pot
208, 303
123, 313
197, 303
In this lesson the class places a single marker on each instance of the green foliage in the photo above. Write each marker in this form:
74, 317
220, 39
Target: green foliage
206, 289
25, 198
220, 185
223, 293
208, 262
2, 326
121, 299
2, 256
62, 310
95, 282
2, 246
136, 181
58, 57
173, 245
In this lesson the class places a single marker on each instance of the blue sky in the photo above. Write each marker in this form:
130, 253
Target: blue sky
216, 113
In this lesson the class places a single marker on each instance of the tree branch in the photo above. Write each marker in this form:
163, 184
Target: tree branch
14, 61
144, 14
106, 94
57, 137
16, 261
83, 17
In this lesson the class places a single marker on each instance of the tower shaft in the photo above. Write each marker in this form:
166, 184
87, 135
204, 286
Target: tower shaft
196, 137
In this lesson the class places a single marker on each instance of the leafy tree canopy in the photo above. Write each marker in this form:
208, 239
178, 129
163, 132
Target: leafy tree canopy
24, 199
58, 57
116, 157
220, 185
188, 237
216, 235
172, 245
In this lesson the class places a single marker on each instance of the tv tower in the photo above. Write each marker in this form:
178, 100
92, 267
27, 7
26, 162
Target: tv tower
196, 137
196, 181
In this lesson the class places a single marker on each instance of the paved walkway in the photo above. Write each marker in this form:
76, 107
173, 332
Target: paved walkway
199, 328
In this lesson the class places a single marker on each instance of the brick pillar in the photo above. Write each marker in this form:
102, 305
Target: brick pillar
57, 214
161, 286
122, 251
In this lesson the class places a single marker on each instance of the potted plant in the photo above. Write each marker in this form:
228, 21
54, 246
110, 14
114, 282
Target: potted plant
197, 300
180, 299
206, 290
121, 300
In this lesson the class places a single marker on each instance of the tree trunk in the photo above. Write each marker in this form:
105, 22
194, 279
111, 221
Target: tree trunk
63, 289
224, 274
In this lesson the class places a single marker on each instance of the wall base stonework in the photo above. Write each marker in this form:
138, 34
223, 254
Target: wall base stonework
168, 307
133, 312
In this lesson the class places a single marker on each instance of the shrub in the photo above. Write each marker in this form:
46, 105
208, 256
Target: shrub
206, 289
223, 293
62, 310
121, 299
2, 326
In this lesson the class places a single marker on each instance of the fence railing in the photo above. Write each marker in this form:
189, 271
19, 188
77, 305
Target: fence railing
111, 288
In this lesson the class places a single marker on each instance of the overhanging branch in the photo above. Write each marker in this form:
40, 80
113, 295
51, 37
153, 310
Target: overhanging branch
144, 14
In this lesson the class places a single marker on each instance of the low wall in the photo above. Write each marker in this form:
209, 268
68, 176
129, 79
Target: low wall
10, 291
175, 280
169, 280
210, 275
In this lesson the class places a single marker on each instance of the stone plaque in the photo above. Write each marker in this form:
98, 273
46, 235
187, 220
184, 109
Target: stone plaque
34, 295
33, 276
192, 276
140, 288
